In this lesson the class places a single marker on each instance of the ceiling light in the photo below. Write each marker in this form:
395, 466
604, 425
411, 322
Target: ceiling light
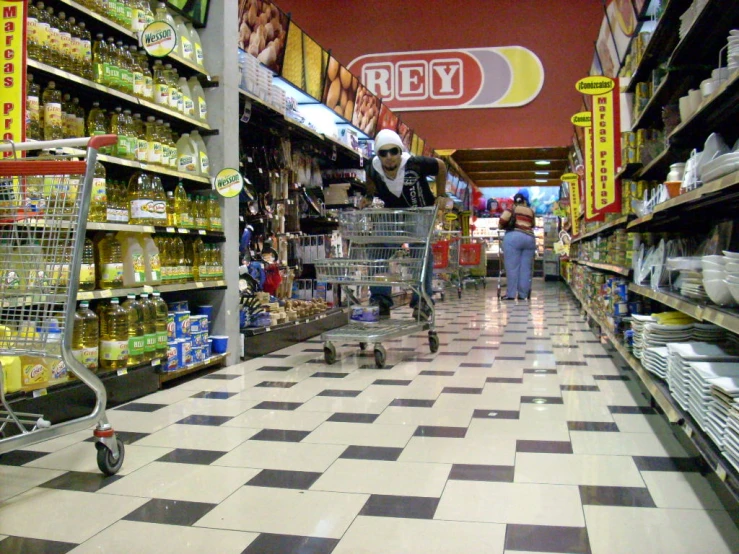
540, 180
542, 162
541, 173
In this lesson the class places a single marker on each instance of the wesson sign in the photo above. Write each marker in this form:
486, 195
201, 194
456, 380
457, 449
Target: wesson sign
498, 77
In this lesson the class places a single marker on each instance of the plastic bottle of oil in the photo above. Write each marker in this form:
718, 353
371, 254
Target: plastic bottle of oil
87, 268
112, 10
174, 91
113, 68
52, 100
182, 269
43, 50
171, 219
150, 327
204, 166
187, 160
149, 14
180, 106
75, 51
201, 218
130, 132
69, 121
184, 44
198, 273
180, 205
125, 69
97, 124
138, 15
159, 207
167, 131
116, 128
32, 31
198, 97
161, 244
188, 107
138, 72
109, 262
114, 337
86, 67
65, 43
79, 118
136, 333
152, 259
154, 152
33, 120
127, 19
134, 268
139, 198
161, 86
161, 323
148, 79
113, 211
214, 215
162, 14
99, 195
166, 150
99, 60
197, 45
86, 336
142, 145
187, 256
54, 39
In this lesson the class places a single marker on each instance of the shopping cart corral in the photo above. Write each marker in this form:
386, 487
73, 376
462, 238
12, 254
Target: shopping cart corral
385, 248
446, 263
44, 201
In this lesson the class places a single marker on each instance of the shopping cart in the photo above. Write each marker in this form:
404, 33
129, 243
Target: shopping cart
44, 202
386, 248
446, 263
473, 262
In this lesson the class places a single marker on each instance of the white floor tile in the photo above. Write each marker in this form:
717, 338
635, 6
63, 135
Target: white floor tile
489, 429
361, 434
638, 423
289, 456
681, 490
83, 457
16, 480
199, 437
626, 444
577, 469
425, 416
498, 451
279, 419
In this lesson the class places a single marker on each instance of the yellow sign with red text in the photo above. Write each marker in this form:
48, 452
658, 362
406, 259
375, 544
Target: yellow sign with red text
13, 98
591, 214
573, 181
604, 151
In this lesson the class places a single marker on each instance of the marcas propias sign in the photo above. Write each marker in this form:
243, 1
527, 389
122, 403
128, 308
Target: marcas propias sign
499, 77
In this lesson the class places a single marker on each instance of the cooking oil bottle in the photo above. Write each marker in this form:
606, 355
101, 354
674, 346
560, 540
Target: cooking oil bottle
32, 32
97, 124
161, 244
99, 60
79, 118
184, 44
187, 256
86, 336
197, 45
161, 86
171, 219
99, 196
180, 205
202, 153
114, 337
186, 155
75, 48
198, 97
142, 145
172, 146
180, 106
182, 269
148, 79
214, 215
126, 67
33, 120
138, 15
201, 218
162, 14
173, 90
69, 121
109, 262
136, 333
52, 100
113, 68
139, 198
113, 10
161, 323
86, 68
65, 43
166, 150
87, 268
198, 271
127, 18
130, 132
152, 258
154, 151
159, 208
134, 270
187, 103
150, 327
44, 28
54, 38
116, 128
138, 72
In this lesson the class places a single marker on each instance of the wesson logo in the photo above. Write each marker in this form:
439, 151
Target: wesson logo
498, 77
150, 39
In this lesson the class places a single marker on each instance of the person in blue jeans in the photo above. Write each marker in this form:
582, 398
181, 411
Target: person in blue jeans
400, 181
519, 246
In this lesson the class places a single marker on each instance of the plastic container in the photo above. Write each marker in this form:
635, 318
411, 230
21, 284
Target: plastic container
134, 269
109, 263
136, 332
204, 162
152, 260
161, 323
85, 337
182, 324
219, 344
114, 337
11, 373
150, 327
187, 155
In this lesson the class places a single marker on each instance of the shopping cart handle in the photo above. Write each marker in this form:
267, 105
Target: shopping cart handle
99, 141
85, 142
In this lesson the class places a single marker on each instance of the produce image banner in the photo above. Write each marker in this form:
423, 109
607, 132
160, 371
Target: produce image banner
388, 120
305, 62
495, 199
340, 90
263, 32
366, 111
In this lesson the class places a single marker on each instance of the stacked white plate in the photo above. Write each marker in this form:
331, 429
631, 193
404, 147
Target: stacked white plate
723, 394
717, 271
701, 376
731, 436
637, 325
655, 361
708, 332
733, 55
693, 288
732, 269
680, 355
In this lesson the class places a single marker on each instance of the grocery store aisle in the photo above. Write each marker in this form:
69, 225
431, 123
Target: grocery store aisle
519, 435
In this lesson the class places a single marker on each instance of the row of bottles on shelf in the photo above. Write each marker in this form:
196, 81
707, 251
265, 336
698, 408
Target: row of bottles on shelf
137, 259
65, 43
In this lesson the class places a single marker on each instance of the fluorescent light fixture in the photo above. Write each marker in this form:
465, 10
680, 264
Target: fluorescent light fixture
541, 173
540, 180
542, 162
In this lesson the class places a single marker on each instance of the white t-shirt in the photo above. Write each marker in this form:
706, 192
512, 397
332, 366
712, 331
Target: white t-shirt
394, 185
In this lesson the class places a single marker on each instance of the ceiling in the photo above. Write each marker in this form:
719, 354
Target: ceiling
513, 167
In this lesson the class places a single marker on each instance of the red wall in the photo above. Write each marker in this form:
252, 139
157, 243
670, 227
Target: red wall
560, 32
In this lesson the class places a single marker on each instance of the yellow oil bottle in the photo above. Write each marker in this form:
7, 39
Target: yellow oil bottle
109, 262
52, 101
86, 337
87, 267
33, 99
136, 334
150, 327
114, 337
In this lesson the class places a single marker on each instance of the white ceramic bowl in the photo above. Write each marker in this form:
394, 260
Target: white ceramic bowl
734, 290
732, 255
718, 291
732, 268
713, 274
715, 259
708, 266
732, 279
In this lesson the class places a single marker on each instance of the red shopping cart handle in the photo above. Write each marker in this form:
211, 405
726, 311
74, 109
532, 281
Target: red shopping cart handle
100, 141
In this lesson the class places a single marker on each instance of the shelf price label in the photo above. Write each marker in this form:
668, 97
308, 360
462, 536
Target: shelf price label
122, 372
40, 392
202, 232
171, 230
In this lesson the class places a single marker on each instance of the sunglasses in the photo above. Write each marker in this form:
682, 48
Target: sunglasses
391, 152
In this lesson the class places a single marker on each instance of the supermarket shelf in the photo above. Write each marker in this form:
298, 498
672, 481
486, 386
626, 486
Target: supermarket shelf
629, 170
709, 452
127, 228
253, 331
723, 317
657, 168
616, 223
673, 86
707, 195
214, 360
153, 168
128, 33
110, 293
625, 271
151, 107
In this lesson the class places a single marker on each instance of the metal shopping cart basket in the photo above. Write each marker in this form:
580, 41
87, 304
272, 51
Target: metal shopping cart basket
473, 262
446, 262
44, 201
386, 248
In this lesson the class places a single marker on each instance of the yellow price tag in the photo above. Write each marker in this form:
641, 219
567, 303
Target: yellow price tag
40, 392
171, 230
106, 293
122, 372
199, 285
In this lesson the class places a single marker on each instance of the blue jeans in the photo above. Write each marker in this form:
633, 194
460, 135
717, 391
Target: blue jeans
518, 249
383, 295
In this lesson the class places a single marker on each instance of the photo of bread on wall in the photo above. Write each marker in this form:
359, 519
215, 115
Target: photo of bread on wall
262, 32
340, 90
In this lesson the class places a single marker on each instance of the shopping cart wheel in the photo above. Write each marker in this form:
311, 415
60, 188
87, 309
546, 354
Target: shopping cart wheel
442, 296
106, 463
380, 356
459, 293
484, 284
329, 353
433, 342
363, 346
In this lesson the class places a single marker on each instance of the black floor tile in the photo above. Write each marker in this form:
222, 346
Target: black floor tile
540, 371
544, 447
413, 403
280, 435
271, 405
329, 375
221, 376
267, 543
470, 472
601, 356
541, 400
580, 388
438, 431
540, 538
458, 354
340, 393
461, 390
438, 373
20, 457
495, 414
170, 512
23, 545
276, 384
658, 463
278, 356
602, 426
616, 496
213, 395
485, 348
281, 479
477, 365
573, 364
396, 382
513, 380
611, 377
80, 482
413, 507
511, 358
140, 407
540, 352
213, 421
381, 453
188, 456
646, 410
383, 368
275, 367
344, 417
513, 343
565, 346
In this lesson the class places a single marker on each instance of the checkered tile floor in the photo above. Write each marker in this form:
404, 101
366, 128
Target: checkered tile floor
519, 435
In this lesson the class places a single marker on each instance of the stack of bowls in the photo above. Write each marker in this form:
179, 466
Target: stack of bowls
715, 279
732, 274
